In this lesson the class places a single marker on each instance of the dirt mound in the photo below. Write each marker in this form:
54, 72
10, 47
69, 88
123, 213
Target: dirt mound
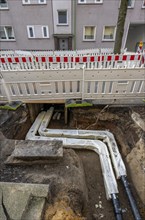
137, 168
61, 210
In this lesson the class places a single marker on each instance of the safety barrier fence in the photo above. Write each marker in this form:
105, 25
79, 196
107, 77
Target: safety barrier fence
100, 85
91, 51
102, 61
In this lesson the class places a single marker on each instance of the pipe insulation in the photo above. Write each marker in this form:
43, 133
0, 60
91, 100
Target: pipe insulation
96, 145
88, 139
105, 136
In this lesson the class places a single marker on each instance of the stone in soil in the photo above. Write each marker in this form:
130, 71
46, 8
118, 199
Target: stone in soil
33, 150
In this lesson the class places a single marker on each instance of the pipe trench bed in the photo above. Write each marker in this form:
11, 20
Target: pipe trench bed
101, 142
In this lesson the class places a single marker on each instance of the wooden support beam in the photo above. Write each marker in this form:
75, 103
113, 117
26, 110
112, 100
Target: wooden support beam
65, 115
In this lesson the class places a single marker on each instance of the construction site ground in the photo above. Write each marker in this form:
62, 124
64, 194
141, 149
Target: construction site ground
76, 182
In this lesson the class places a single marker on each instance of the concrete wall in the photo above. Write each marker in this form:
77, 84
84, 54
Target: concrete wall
19, 16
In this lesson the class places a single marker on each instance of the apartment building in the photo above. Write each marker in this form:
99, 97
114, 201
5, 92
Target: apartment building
68, 24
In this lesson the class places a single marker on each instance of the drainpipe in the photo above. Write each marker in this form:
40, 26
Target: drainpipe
74, 25
130, 198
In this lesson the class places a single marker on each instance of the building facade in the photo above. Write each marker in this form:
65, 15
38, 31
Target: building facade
68, 24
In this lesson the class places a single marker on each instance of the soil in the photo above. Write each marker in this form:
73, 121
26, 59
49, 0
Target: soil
92, 205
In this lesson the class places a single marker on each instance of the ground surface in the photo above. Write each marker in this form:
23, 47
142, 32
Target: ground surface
93, 203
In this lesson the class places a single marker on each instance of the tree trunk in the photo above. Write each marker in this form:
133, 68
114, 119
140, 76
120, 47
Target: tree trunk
120, 26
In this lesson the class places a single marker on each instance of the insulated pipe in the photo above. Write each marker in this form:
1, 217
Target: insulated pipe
117, 208
98, 146
95, 145
131, 198
105, 136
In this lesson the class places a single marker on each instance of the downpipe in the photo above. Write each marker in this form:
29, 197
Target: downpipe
131, 198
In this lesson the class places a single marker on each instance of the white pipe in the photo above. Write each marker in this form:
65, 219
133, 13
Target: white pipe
105, 136
95, 145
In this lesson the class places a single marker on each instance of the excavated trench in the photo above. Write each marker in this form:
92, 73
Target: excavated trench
77, 185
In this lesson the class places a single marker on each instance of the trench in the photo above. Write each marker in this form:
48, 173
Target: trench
115, 120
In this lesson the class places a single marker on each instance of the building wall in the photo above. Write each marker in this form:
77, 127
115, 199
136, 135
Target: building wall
61, 5
19, 16
105, 14
79, 15
97, 15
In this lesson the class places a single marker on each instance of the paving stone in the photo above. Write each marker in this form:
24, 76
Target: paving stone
18, 162
32, 150
17, 198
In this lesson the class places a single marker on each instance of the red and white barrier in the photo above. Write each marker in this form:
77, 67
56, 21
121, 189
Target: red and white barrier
65, 62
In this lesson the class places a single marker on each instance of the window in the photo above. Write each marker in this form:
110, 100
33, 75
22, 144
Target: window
89, 33
6, 33
3, 4
45, 31
98, 1
30, 30
90, 2
37, 31
28, 2
62, 17
143, 4
81, 1
131, 3
109, 33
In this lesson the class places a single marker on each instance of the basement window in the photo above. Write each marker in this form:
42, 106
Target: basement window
6, 33
3, 4
81, 1
98, 1
90, 1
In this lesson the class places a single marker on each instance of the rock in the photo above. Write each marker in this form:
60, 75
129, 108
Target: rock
33, 150
35, 209
17, 199
2, 137
138, 120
